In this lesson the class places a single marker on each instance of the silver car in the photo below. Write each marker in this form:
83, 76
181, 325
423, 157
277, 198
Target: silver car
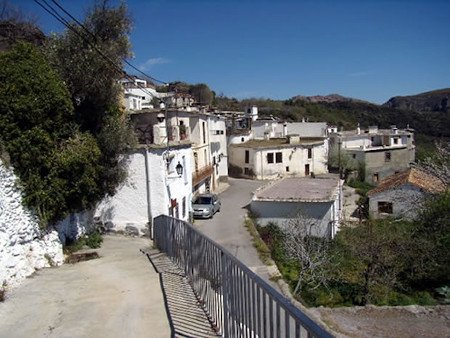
205, 205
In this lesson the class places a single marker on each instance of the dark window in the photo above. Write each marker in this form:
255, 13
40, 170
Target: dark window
270, 158
246, 171
385, 207
279, 157
309, 152
247, 156
306, 169
387, 156
287, 169
375, 177
242, 139
204, 132
354, 155
183, 207
395, 140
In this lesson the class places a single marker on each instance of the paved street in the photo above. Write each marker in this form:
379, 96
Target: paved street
117, 295
227, 226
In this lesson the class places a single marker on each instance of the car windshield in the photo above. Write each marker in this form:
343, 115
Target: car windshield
203, 200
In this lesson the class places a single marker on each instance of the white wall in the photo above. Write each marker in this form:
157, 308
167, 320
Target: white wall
282, 212
24, 248
149, 189
406, 202
294, 156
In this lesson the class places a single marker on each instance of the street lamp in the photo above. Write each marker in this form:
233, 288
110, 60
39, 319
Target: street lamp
179, 169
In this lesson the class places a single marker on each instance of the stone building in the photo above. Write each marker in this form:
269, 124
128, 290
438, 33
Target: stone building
383, 152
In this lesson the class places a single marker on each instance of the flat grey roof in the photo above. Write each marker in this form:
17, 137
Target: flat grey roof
300, 189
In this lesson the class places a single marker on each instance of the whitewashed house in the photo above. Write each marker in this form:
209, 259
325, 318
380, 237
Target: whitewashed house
138, 93
278, 157
317, 201
401, 195
159, 178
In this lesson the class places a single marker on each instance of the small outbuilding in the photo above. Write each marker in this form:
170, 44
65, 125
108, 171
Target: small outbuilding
317, 200
401, 195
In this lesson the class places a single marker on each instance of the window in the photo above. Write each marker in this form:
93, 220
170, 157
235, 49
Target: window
242, 139
287, 169
270, 158
375, 177
246, 171
309, 152
279, 157
183, 207
395, 140
385, 207
247, 156
387, 156
353, 155
204, 132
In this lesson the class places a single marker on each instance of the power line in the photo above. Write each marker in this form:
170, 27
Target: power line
95, 39
63, 21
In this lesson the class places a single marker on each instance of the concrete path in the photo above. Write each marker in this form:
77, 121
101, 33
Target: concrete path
227, 226
117, 295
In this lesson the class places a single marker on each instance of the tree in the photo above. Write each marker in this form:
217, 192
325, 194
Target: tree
439, 164
306, 244
371, 259
202, 94
56, 163
91, 65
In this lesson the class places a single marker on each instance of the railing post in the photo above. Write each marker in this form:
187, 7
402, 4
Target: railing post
225, 292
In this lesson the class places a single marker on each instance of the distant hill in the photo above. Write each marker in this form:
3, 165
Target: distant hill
434, 101
324, 98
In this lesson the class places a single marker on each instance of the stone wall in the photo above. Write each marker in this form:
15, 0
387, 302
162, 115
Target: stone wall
24, 248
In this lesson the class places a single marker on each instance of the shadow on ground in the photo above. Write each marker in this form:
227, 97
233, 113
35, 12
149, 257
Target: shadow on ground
186, 316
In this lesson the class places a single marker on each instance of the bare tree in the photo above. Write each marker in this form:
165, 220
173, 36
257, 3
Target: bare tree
439, 164
308, 245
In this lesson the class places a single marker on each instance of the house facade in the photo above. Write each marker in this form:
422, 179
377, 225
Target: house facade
138, 93
401, 195
206, 132
384, 152
316, 201
278, 157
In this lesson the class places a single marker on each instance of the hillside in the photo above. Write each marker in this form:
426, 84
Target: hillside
433, 101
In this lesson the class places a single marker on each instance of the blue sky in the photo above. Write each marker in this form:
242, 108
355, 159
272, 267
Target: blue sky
370, 50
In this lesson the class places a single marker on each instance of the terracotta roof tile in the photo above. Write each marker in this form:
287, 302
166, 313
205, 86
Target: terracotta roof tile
412, 176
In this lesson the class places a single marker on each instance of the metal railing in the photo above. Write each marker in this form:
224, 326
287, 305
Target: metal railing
238, 303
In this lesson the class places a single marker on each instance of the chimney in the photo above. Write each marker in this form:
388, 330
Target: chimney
358, 129
285, 129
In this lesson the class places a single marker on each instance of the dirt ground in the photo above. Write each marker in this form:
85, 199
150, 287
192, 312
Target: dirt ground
384, 321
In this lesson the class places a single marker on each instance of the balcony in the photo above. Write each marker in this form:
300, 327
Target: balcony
201, 174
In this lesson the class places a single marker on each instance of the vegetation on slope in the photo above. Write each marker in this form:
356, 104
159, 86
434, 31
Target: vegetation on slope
60, 121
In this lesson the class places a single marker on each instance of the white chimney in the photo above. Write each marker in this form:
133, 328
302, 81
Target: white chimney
254, 113
358, 129
285, 129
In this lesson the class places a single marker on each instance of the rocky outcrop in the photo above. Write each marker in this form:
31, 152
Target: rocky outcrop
436, 101
24, 247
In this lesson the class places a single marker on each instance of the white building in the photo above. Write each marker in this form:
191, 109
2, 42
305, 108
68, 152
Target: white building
315, 200
401, 195
153, 188
277, 157
138, 93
